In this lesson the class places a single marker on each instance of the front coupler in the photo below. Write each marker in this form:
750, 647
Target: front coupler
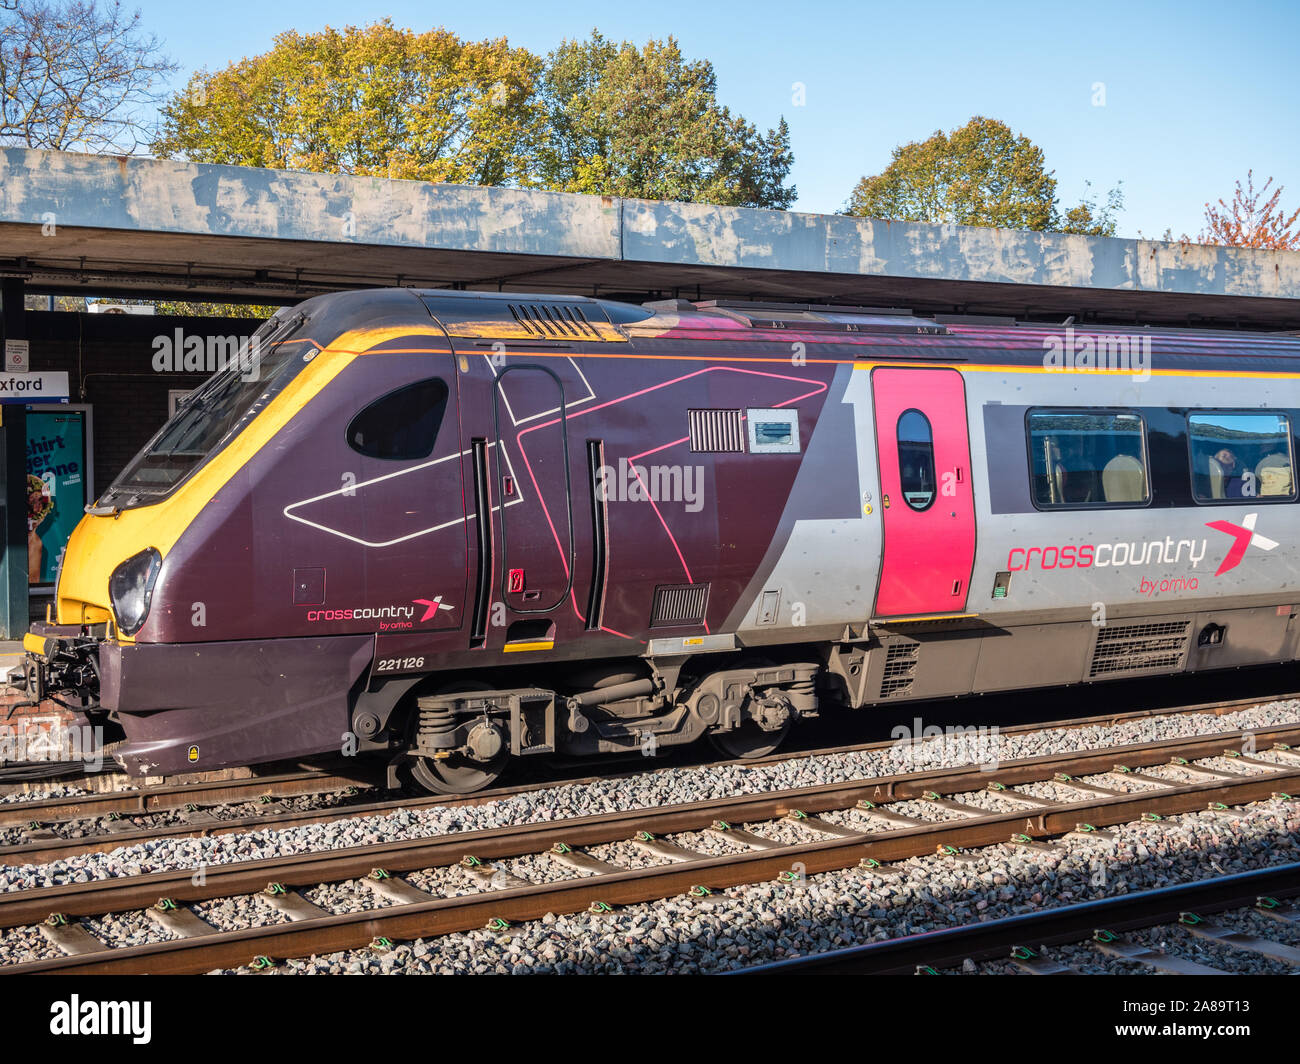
62, 665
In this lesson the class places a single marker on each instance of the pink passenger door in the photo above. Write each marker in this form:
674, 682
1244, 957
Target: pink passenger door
927, 506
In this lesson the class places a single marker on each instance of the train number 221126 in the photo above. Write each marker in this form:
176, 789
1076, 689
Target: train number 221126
399, 664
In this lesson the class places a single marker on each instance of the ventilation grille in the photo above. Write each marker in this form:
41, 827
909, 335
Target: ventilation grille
679, 604
554, 319
1140, 648
716, 430
900, 669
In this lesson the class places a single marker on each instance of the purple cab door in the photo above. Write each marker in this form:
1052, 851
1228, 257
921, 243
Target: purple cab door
927, 504
533, 483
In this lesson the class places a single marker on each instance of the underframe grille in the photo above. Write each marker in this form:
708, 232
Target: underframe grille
901, 660
1129, 648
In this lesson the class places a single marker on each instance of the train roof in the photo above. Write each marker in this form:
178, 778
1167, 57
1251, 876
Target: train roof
544, 316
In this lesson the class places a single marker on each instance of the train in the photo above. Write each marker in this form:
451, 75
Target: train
450, 529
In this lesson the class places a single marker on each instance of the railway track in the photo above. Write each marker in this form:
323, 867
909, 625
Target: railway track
1099, 923
204, 807
867, 828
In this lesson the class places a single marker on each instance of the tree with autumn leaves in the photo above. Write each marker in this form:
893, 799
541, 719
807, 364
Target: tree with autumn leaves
986, 175
594, 116
373, 102
1249, 223
980, 174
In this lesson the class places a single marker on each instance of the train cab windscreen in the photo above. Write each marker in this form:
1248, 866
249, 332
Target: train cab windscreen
1091, 459
215, 413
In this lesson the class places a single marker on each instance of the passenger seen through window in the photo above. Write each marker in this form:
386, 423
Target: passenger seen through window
1241, 456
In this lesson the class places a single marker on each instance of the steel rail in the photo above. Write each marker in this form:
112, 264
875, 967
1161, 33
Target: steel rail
992, 939
289, 784
241, 877
160, 799
439, 916
143, 802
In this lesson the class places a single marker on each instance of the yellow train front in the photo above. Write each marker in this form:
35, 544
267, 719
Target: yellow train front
183, 603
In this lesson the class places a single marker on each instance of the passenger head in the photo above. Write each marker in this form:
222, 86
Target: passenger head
1226, 459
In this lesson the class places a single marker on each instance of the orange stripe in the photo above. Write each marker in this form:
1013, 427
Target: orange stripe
855, 362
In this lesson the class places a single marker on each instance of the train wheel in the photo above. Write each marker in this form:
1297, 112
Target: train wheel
749, 740
459, 773
456, 774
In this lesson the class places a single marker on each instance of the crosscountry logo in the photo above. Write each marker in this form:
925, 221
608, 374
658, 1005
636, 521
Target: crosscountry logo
432, 606
1243, 535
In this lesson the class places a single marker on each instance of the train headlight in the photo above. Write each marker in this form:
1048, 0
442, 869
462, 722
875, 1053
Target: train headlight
131, 587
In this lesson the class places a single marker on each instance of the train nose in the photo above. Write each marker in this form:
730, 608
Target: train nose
109, 569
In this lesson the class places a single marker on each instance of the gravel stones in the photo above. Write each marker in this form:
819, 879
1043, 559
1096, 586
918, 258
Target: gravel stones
738, 926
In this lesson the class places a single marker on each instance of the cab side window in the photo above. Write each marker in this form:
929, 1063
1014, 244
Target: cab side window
401, 425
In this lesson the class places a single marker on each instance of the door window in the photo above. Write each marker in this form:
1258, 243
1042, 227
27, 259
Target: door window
916, 459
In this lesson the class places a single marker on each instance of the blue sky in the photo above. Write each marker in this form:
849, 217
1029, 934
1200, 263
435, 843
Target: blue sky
1194, 93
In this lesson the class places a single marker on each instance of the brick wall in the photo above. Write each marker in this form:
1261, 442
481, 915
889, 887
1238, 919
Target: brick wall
39, 733
109, 362
29, 715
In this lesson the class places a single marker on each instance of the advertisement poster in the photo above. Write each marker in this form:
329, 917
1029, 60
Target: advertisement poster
58, 476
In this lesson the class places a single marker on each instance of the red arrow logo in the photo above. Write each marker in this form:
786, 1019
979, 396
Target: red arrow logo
432, 606
1243, 536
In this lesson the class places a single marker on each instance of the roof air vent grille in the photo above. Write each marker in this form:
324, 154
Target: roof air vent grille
554, 320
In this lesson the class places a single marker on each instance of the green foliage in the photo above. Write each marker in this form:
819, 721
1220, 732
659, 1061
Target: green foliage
181, 308
378, 101
646, 122
594, 116
1089, 219
981, 174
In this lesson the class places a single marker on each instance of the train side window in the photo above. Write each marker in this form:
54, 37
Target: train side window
916, 459
1087, 458
1241, 456
402, 424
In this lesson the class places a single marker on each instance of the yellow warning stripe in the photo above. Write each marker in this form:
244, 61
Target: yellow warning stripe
924, 617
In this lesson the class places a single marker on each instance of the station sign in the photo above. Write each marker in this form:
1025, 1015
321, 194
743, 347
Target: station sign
44, 387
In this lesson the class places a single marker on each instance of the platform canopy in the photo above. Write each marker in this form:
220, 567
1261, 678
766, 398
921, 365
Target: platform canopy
72, 223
